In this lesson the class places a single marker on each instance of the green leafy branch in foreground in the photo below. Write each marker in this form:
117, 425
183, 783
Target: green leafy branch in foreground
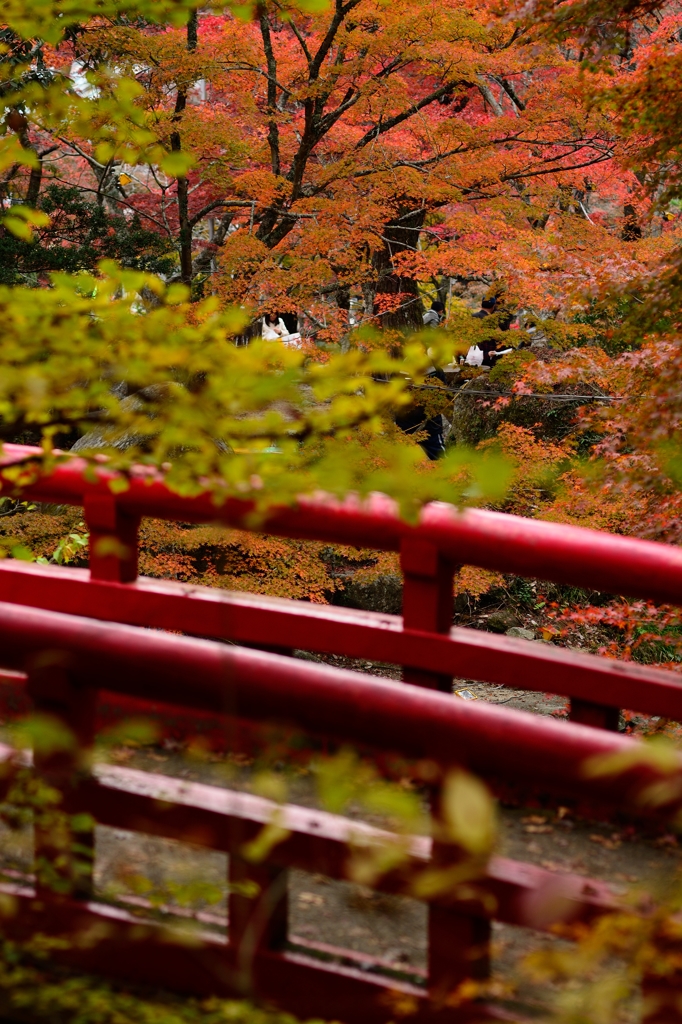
51, 19
30, 989
262, 421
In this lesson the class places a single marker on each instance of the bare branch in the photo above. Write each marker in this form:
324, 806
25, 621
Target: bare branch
558, 170
385, 126
218, 204
510, 91
301, 41
487, 94
325, 46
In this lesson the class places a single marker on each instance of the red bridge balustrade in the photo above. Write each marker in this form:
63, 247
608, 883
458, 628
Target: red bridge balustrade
73, 634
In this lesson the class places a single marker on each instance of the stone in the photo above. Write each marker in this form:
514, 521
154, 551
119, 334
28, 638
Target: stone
501, 621
520, 633
106, 438
143, 400
476, 417
379, 594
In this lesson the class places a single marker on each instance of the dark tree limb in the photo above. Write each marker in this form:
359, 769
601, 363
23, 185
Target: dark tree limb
273, 128
183, 185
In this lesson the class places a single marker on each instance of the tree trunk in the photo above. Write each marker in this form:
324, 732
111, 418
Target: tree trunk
399, 235
183, 185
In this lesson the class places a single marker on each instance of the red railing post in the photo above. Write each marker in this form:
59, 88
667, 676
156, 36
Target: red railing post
458, 941
459, 944
63, 857
459, 950
113, 539
427, 600
257, 916
599, 715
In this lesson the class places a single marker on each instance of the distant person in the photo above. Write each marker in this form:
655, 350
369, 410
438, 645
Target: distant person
490, 351
274, 329
487, 308
434, 316
414, 420
490, 347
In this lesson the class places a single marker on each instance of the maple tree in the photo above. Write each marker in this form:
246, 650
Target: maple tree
308, 154
630, 56
355, 149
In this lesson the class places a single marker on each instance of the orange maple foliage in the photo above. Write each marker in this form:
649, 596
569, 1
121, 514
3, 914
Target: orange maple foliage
359, 151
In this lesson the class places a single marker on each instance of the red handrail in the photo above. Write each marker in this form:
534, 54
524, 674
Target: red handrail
492, 540
262, 687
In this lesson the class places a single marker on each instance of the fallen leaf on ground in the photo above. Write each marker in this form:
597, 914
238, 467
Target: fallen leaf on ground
122, 754
609, 844
667, 840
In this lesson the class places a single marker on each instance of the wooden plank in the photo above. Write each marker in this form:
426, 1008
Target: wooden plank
217, 818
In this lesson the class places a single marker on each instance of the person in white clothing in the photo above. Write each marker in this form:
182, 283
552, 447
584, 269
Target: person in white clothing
274, 329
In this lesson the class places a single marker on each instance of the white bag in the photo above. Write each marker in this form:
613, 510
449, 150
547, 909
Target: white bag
474, 356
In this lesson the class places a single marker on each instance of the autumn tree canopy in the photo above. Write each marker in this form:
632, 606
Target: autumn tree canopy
303, 157
360, 147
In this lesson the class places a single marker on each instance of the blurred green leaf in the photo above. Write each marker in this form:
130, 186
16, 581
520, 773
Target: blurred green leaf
135, 731
469, 812
45, 734
269, 836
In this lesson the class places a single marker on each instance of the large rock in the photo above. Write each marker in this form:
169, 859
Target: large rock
475, 417
145, 399
378, 594
501, 621
155, 393
520, 633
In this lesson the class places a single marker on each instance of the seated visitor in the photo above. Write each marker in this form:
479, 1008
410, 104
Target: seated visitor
434, 316
274, 329
491, 348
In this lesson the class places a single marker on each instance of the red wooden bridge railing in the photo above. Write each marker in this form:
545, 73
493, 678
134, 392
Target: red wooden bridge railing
76, 633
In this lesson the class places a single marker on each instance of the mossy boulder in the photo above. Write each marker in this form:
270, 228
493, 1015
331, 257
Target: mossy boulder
476, 414
375, 594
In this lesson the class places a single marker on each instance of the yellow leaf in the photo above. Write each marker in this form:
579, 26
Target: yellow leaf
176, 165
469, 812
